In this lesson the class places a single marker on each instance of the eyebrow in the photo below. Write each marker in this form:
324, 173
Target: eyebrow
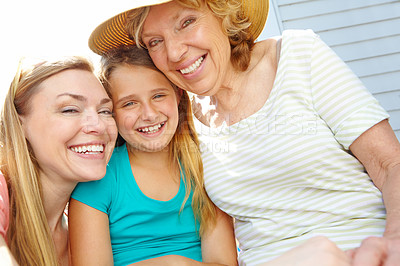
125, 98
75, 96
82, 98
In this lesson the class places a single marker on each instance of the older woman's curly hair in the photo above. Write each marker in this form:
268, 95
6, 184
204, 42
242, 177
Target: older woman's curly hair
234, 23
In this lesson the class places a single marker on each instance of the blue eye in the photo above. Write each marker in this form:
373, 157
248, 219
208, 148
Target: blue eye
127, 104
187, 22
154, 43
157, 96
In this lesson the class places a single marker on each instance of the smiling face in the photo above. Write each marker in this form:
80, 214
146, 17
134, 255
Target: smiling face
188, 46
145, 107
70, 127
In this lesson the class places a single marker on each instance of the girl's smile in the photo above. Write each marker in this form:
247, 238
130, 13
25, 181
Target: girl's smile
146, 107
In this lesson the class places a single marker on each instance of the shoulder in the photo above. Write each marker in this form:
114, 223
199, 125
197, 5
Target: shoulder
117, 156
4, 206
3, 189
265, 52
269, 49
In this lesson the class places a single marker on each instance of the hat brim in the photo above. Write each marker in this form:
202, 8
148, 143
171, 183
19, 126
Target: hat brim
112, 34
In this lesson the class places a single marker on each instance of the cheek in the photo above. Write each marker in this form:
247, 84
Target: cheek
173, 111
159, 59
111, 128
126, 120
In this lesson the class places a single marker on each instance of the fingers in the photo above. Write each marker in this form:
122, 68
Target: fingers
393, 255
372, 252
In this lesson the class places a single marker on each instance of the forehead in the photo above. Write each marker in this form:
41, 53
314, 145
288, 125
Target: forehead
129, 78
73, 81
165, 13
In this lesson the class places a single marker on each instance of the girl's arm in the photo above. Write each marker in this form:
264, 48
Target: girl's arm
89, 235
218, 245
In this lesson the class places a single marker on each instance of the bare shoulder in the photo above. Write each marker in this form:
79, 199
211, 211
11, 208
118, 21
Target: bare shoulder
267, 52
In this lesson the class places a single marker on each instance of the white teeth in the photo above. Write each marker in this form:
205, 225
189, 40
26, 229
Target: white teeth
193, 67
90, 149
152, 129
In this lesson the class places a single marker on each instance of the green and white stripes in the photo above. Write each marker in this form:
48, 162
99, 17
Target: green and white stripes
285, 172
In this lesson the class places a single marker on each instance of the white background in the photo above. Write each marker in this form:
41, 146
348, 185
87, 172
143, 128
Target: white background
51, 28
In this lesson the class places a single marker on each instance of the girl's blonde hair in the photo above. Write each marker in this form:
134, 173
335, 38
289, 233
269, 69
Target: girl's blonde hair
234, 23
28, 236
184, 147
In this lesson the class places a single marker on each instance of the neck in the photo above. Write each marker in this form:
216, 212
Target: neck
154, 160
55, 198
230, 92
223, 106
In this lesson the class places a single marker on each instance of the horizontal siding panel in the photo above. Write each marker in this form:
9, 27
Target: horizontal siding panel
376, 65
359, 33
364, 33
395, 120
382, 82
290, 11
397, 132
389, 100
355, 51
346, 18
290, 2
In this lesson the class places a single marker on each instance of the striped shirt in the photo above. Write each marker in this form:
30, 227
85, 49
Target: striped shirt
285, 173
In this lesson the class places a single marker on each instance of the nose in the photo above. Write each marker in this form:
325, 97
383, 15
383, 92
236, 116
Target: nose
149, 112
175, 49
93, 124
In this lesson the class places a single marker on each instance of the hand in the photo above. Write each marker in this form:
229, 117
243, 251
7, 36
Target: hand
317, 251
377, 251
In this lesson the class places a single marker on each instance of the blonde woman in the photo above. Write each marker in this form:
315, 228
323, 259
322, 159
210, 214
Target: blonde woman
56, 130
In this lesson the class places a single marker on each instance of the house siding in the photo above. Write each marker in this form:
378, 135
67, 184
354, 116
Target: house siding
364, 33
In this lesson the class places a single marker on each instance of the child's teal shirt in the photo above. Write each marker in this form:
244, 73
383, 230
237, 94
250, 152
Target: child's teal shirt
140, 227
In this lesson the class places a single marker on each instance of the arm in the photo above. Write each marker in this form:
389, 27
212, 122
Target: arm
317, 251
89, 235
218, 244
6, 258
379, 151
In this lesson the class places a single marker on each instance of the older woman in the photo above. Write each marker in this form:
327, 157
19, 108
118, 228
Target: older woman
57, 130
293, 144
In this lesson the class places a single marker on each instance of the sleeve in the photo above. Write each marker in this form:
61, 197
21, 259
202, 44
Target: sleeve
4, 207
340, 98
96, 194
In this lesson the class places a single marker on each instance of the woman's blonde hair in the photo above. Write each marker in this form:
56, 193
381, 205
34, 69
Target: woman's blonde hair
234, 23
28, 236
184, 147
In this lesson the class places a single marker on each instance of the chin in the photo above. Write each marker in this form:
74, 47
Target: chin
92, 176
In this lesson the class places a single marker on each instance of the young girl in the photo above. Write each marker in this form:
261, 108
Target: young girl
151, 205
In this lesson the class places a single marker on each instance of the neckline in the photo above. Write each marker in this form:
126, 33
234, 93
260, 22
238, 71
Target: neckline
146, 199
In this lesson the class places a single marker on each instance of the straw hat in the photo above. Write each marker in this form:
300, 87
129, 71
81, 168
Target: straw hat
111, 33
